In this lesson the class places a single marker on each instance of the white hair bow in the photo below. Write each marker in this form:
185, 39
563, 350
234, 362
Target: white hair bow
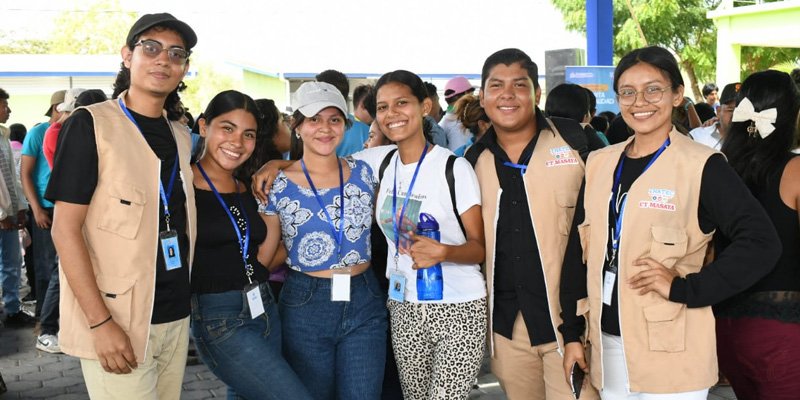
762, 120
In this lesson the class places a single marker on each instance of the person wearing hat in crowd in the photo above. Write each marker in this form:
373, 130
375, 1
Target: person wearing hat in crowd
124, 225
713, 134
12, 217
34, 174
357, 132
47, 340
331, 305
82, 99
457, 134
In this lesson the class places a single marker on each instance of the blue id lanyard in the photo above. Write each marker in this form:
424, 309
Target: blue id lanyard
398, 219
339, 237
614, 193
244, 242
165, 195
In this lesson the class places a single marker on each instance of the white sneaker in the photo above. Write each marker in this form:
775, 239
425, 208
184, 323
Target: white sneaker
48, 344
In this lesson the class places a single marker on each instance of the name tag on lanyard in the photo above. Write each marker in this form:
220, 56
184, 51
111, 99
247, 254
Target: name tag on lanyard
340, 286
170, 249
254, 302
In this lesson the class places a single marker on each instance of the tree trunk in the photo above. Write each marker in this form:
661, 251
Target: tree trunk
689, 68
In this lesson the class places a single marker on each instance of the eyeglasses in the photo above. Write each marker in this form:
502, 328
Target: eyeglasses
651, 94
152, 49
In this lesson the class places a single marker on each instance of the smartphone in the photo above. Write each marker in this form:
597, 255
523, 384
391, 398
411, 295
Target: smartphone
576, 379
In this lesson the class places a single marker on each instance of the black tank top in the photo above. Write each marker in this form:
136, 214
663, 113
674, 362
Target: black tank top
777, 295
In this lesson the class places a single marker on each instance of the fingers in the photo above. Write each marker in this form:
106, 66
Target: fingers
130, 358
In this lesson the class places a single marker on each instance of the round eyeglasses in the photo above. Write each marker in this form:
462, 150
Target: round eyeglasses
152, 49
651, 94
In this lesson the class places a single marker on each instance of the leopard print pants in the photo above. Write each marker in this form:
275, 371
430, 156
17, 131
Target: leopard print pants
439, 347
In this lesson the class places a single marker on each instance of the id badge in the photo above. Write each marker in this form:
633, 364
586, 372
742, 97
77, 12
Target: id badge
254, 302
397, 287
608, 286
340, 286
169, 246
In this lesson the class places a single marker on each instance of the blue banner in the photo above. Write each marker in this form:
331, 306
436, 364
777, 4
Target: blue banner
598, 79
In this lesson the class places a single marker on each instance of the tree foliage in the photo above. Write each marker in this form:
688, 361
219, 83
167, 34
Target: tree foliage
679, 25
98, 28
10, 45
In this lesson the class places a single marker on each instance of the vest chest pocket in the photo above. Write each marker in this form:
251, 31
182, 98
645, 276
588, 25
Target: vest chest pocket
122, 214
668, 245
666, 327
117, 293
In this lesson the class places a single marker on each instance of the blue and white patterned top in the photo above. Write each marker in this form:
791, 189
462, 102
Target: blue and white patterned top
305, 229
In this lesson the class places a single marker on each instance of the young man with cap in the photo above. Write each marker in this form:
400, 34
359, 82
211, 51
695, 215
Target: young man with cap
457, 134
12, 217
124, 223
714, 134
529, 178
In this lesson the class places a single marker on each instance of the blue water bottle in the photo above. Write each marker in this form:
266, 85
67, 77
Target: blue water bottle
430, 282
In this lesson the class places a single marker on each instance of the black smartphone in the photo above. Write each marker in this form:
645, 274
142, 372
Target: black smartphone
576, 379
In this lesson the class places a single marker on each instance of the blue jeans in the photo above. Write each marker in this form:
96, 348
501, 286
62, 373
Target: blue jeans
244, 353
339, 348
46, 265
11, 260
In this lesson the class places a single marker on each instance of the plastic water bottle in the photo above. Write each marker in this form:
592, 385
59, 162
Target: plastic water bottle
430, 282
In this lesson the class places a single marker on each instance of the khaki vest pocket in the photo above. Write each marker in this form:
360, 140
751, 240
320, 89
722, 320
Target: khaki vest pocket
668, 245
117, 293
666, 327
122, 214
566, 208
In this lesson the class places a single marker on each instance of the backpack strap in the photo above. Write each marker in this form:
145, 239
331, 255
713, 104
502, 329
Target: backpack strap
385, 163
451, 184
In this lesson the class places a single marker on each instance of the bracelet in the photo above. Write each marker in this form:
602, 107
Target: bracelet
100, 324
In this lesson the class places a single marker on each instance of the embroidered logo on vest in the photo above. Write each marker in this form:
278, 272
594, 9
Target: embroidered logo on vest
562, 155
659, 199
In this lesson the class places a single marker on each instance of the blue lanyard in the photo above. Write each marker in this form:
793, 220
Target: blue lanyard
398, 219
244, 243
615, 191
165, 195
339, 237
522, 168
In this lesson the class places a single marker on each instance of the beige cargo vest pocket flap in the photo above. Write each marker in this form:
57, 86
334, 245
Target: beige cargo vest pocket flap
666, 326
566, 200
668, 245
124, 209
118, 295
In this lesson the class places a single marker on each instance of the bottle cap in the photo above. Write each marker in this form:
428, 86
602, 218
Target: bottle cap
427, 223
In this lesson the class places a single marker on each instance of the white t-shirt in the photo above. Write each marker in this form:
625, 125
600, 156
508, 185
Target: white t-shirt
430, 194
457, 134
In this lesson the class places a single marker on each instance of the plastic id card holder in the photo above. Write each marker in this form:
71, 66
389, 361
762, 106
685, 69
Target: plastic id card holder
254, 302
397, 287
608, 286
169, 246
340, 286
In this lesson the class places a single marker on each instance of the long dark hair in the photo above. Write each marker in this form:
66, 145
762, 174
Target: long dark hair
755, 158
265, 140
172, 105
228, 101
418, 89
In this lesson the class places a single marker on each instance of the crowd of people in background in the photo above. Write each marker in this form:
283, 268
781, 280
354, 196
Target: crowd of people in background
380, 251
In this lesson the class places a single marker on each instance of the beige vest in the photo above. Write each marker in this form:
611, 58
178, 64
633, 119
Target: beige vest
121, 230
668, 347
552, 182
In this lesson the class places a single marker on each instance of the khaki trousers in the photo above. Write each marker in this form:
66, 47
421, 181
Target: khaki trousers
159, 377
532, 372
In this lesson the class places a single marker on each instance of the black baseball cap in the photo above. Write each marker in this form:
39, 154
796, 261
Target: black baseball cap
148, 21
729, 93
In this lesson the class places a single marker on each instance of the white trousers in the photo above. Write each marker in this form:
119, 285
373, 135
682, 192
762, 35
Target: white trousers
615, 377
